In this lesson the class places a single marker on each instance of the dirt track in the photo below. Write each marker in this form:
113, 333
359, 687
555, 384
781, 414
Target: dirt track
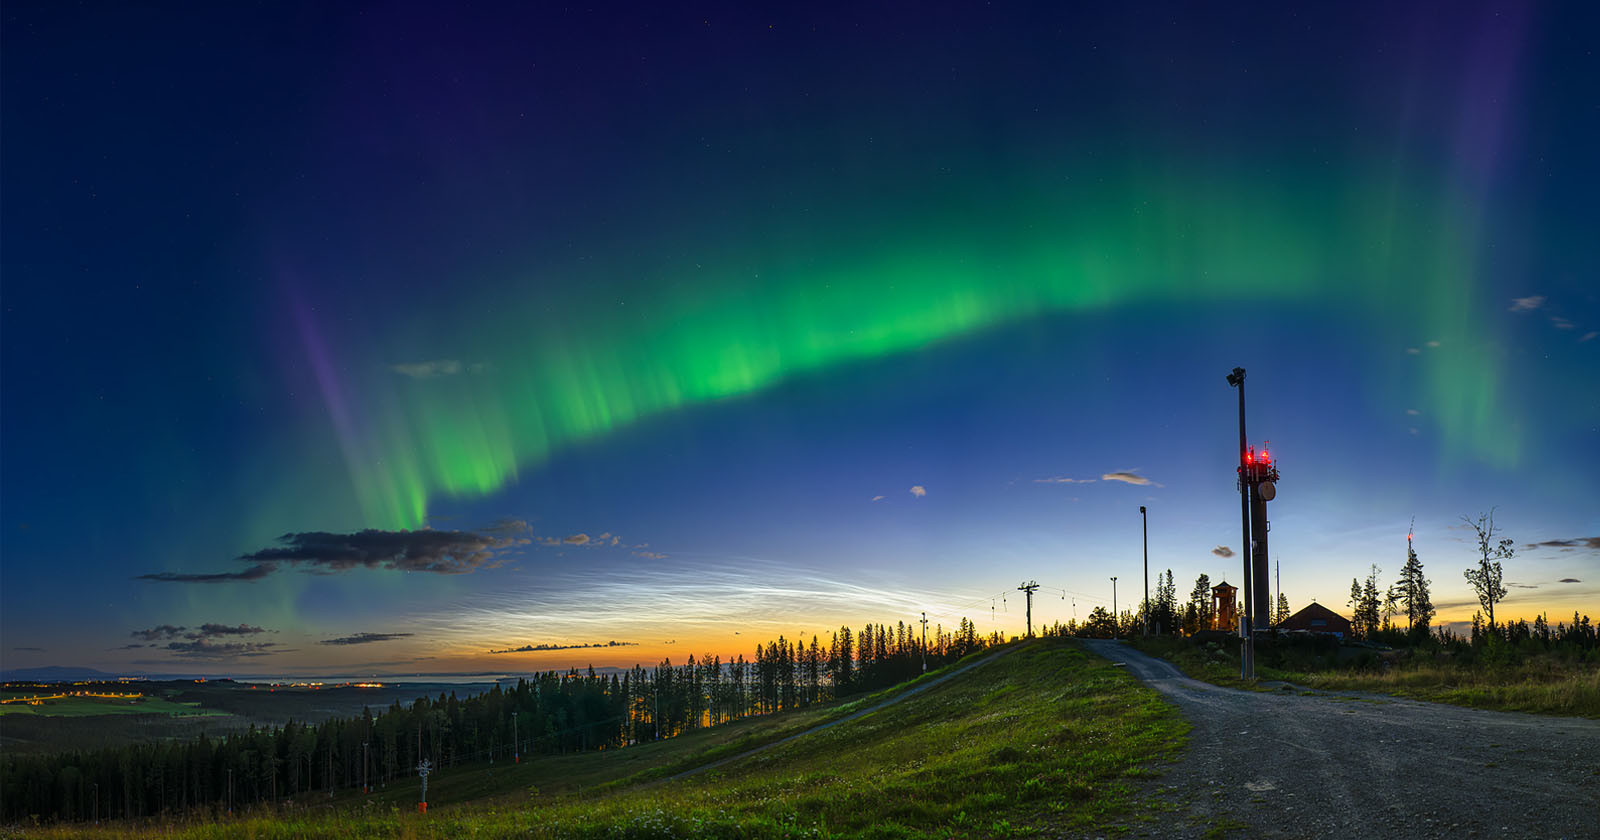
1357, 765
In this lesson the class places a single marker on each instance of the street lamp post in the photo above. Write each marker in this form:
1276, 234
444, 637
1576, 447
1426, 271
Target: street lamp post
1116, 620
1145, 518
1247, 656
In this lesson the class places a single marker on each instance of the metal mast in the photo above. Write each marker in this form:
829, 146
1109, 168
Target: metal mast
1028, 588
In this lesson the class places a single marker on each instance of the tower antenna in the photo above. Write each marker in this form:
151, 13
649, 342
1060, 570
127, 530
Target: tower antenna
424, 767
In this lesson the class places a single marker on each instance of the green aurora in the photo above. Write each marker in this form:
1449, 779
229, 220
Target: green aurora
536, 385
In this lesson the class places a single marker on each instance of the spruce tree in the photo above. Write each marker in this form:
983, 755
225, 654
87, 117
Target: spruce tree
1411, 593
1200, 599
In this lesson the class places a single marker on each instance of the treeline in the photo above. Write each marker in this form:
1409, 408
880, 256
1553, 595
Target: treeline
547, 713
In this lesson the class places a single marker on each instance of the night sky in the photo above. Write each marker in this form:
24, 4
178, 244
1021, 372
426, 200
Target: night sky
352, 339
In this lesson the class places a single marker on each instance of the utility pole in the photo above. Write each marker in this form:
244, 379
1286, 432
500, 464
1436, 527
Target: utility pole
1247, 656
516, 745
330, 770
365, 788
924, 641
1145, 518
1116, 620
97, 798
1028, 588
423, 769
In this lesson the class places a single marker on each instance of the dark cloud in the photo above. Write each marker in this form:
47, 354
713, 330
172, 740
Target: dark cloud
509, 526
226, 630
204, 648
439, 552
164, 631
547, 646
256, 572
364, 638
1569, 580
1222, 551
321, 552
35, 649
435, 368
135, 646
1452, 606
1580, 542
582, 540
1128, 477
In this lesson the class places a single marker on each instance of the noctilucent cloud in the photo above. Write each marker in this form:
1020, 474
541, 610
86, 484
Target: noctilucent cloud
398, 338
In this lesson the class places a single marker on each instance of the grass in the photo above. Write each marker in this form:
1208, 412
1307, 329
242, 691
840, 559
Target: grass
1539, 687
1542, 686
1044, 739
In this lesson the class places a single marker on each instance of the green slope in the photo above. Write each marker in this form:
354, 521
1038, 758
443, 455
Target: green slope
1045, 737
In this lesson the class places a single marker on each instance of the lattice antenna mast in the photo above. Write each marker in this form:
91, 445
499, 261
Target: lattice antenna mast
1028, 589
424, 767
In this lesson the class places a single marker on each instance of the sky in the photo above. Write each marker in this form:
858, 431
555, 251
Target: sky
391, 338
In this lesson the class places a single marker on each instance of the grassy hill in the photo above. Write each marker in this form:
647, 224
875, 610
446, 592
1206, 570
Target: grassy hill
1044, 737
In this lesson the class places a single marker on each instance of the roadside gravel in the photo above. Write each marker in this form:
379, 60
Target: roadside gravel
1330, 764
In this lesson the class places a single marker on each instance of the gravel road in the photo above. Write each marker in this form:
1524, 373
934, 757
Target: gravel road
1336, 764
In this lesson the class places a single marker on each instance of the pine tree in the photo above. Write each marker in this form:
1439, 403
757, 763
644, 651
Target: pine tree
1357, 625
1410, 593
1166, 613
1200, 600
1366, 606
1371, 603
1282, 613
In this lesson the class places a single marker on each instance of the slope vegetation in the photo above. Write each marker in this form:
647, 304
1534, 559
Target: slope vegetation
1043, 737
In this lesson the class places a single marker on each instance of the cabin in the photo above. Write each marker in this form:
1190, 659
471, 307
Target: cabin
1316, 618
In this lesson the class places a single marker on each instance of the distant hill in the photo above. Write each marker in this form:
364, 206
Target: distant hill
55, 673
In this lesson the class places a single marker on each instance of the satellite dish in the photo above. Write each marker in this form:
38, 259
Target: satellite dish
1268, 491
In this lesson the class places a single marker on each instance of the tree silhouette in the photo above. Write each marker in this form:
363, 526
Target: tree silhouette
1485, 579
1410, 593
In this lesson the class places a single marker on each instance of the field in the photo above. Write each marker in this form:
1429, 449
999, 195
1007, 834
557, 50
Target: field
1045, 737
76, 706
179, 709
1542, 685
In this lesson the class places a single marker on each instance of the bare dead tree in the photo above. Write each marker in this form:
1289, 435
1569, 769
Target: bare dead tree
1486, 578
